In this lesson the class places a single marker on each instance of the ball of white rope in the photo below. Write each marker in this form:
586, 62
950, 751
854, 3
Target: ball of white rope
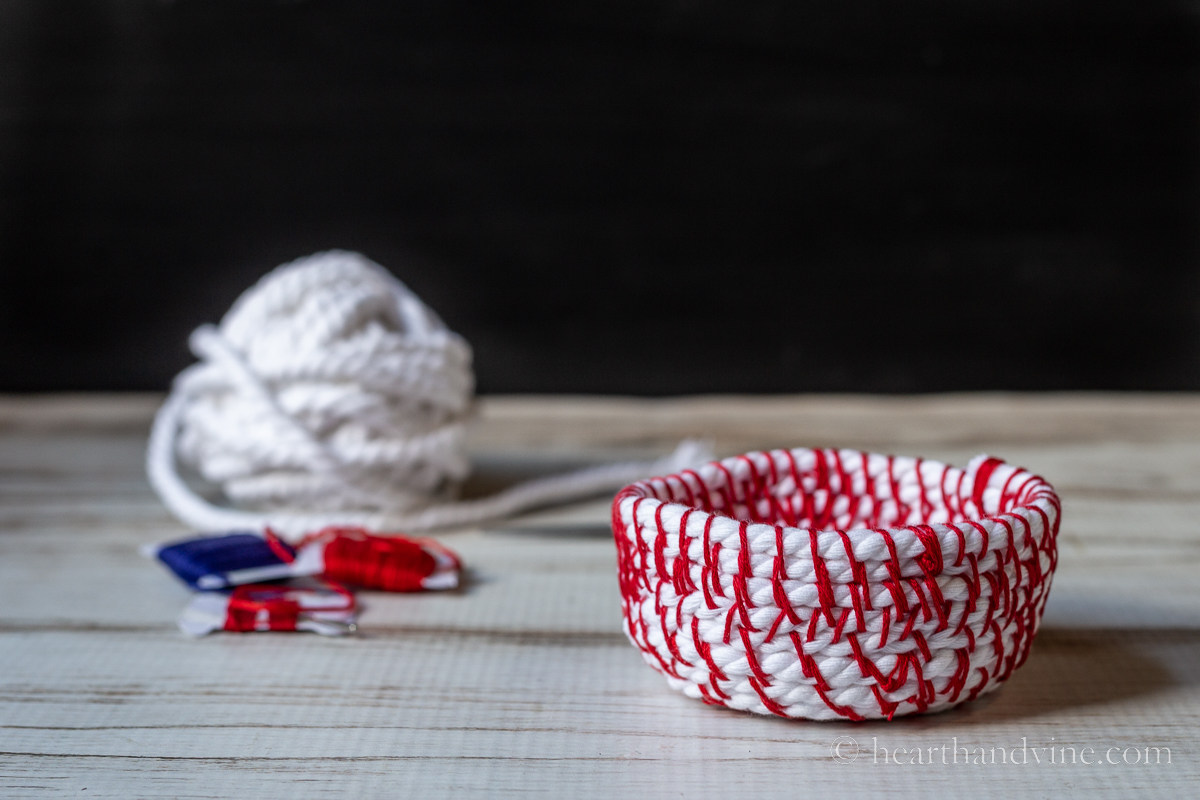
330, 394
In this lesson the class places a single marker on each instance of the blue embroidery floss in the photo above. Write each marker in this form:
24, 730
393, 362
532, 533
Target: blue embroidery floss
215, 562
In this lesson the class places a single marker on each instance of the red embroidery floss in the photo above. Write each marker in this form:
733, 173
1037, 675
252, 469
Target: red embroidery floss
835, 584
326, 609
387, 563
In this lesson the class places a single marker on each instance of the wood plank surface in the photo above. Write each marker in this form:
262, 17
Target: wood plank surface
521, 683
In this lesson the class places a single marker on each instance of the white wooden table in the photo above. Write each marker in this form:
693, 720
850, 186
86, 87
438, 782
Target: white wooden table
522, 683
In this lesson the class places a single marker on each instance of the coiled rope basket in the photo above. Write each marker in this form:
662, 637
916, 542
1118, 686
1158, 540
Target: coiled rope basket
836, 584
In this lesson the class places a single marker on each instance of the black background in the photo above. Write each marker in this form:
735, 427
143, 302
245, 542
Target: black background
641, 197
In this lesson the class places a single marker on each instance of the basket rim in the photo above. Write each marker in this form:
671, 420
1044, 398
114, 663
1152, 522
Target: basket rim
983, 466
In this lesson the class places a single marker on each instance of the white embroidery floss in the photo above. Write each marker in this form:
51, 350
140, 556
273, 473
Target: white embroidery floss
331, 395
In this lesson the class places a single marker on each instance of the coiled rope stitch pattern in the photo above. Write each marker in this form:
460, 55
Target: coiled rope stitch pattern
836, 584
331, 395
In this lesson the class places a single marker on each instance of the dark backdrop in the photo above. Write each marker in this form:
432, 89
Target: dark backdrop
648, 196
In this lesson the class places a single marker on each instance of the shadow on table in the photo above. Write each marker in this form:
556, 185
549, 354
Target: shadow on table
1071, 668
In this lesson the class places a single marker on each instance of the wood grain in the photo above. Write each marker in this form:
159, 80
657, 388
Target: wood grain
521, 683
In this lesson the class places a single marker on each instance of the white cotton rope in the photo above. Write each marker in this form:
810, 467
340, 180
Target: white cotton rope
331, 395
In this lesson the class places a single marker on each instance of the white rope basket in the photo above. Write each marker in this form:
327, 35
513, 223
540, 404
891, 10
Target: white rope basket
836, 584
